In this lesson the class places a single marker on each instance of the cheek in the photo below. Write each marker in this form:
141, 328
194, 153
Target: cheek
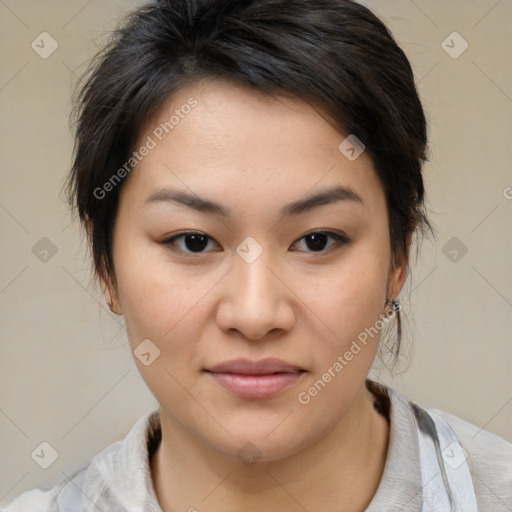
349, 297
157, 303
351, 304
153, 292
165, 308
161, 301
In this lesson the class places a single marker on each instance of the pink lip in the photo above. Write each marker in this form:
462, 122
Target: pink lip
247, 367
258, 379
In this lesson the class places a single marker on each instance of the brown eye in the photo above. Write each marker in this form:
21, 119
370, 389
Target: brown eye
318, 240
190, 242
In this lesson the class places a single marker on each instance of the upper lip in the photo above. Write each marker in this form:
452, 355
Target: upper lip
262, 367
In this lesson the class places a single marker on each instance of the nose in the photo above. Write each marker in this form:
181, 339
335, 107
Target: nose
256, 300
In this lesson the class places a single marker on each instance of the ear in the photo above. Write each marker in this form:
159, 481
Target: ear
108, 287
398, 272
110, 293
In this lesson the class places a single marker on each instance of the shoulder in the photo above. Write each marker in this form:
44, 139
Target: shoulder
60, 497
35, 499
485, 450
489, 458
117, 478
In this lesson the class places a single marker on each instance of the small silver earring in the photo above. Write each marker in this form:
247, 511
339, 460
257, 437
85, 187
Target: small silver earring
395, 304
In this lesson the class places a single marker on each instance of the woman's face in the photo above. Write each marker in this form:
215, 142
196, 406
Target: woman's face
256, 284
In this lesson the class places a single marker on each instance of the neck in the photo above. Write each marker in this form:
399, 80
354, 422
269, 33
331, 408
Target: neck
341, 470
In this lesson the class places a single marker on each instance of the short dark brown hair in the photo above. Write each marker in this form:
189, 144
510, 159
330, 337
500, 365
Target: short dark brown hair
334, 54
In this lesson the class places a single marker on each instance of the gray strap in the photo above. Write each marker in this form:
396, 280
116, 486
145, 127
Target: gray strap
446, 479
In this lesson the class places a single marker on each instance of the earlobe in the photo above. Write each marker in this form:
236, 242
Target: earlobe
398, 269
397, 276
110, 298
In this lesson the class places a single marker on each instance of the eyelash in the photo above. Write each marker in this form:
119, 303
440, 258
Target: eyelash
339, 241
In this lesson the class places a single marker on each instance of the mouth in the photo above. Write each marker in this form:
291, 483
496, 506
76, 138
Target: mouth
256, 379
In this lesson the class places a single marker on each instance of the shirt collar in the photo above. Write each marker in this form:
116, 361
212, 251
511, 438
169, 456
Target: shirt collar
119, 477
400, 487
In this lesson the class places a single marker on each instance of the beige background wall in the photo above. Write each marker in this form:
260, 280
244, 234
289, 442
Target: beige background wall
66, 372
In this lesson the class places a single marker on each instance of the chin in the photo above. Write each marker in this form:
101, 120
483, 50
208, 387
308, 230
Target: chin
259, 440
250, 450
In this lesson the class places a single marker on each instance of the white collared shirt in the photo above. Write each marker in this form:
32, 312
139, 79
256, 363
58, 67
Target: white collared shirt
118, 479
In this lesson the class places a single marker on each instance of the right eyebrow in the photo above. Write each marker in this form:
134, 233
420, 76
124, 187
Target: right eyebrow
184, 198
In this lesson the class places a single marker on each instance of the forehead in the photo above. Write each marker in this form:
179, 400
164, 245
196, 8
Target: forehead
226, 142
226, 114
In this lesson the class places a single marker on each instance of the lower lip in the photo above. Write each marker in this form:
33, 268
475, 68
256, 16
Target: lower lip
256, 386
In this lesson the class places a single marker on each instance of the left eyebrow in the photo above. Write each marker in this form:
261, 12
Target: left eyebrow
202, 205
322, 198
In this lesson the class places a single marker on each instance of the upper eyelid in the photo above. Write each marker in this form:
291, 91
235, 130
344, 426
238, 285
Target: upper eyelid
324, 231
172, 238
339, 237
